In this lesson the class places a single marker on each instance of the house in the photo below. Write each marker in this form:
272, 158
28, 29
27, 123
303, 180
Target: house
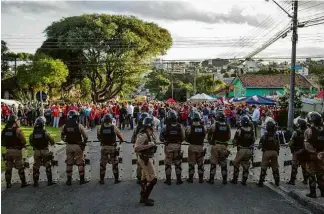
251, 66
268, 85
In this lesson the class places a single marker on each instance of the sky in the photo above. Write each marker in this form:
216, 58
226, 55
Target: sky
200, 29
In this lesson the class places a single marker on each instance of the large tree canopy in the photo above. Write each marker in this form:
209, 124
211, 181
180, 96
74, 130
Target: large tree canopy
43, 72
115, 49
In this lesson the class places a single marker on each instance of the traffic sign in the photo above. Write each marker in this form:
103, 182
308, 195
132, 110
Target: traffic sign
44, 96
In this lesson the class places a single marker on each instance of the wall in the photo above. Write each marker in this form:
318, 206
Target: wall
239, 91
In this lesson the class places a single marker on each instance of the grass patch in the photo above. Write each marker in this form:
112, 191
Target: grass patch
54, 132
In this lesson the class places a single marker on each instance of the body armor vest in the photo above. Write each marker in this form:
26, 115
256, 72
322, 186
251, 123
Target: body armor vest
317, 139
246, 138
270, 142
197, 135
221, 132
108, 135
72, 132
299, 140
10, 137
39, 139
173, 133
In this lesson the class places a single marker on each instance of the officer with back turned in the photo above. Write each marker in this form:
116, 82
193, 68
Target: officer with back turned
244, 139
107, 134
39, 140
14, 140
195, 135
76, 138
218, 136
172, 134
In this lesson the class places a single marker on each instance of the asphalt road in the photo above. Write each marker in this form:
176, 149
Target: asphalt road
124, 197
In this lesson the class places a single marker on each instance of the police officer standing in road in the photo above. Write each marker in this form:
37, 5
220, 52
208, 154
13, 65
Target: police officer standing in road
145, 147
133, 140
39, 140
244, 139
270, 145
314, 145
14, 140
218, 136
299, 154
109, 153
76, 138
172, 134
195, 135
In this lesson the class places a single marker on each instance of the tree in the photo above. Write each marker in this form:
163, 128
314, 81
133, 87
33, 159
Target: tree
115, 49
73, 58
207, 84
4, 61
43, 73
316, 69
158, 83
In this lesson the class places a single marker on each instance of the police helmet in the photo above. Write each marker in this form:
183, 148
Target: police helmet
39, 123
220, 117
196, 117
73, 115
271, 126
315, 118
142, 117
245, 121
301, 123
172, 116
107, 118
148, 121
13, 118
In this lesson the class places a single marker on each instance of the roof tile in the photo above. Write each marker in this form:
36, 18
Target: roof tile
272, 81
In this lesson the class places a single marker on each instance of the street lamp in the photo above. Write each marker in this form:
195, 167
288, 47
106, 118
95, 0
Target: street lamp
293, 61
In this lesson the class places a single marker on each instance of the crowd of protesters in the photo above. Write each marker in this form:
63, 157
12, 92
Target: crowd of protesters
126, 114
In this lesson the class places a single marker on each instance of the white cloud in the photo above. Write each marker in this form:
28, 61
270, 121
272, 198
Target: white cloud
223, 28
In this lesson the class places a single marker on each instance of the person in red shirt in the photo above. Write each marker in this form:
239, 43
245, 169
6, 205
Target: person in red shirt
56, 116
92, 117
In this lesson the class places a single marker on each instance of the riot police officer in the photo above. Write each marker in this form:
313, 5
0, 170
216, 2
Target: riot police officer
244, 139
314, 145
270, 145
218, 136
299, 155
172, 134
39, 140
109, 154
76, 138
133, 140
195, 135
145, 147
14, 140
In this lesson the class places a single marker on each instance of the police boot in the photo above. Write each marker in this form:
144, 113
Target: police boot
312, 193
179, 180
277, 182
201, 178
82, 181
36, 181
322, 192
116, 175
148, 190
50, 179
102, 179
9, 185
69, 180
190, 179
23, 182
243, 182
168, 180
211, 179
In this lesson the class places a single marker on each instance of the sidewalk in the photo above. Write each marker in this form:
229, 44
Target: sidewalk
298, 193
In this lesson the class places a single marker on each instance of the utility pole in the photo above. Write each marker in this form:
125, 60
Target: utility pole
195, 81
172, 68
293, 67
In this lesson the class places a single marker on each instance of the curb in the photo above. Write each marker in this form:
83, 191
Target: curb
298, 199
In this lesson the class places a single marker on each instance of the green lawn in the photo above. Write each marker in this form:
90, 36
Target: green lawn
54, 132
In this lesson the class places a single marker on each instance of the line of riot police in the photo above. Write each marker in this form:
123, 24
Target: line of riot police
172, 135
